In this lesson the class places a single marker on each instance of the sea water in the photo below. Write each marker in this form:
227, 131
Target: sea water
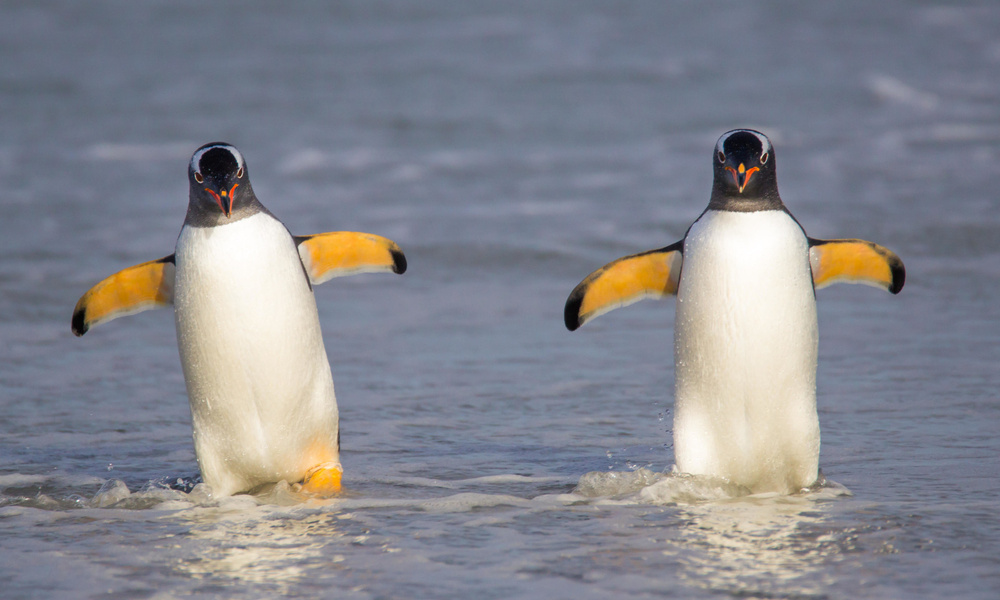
510, 149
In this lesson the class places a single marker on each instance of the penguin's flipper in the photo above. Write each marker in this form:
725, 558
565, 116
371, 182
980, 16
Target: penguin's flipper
855, 261
340, 253
651, 274
129, 291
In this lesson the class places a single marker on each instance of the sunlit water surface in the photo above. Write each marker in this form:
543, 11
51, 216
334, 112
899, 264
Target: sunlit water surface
510, 149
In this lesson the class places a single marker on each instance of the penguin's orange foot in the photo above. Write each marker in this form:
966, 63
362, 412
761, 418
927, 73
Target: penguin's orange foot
323, 480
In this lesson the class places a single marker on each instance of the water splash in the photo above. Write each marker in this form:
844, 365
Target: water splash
644, 486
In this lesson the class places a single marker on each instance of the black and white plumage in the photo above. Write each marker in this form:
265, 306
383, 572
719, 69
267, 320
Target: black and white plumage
256, 369
745, 336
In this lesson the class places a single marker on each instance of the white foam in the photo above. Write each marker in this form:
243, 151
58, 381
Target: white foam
691, 489
615, 483
644, 486
111, 493
16, 479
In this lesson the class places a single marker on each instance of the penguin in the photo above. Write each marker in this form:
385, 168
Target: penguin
258, 379
745, 334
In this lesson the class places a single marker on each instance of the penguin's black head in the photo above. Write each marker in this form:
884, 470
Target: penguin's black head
744, 168
219, 181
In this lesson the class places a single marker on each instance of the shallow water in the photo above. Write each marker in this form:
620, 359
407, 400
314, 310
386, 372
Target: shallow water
509, 149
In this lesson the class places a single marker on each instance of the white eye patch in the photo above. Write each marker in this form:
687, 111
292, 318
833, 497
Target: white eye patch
765, 144
196, 159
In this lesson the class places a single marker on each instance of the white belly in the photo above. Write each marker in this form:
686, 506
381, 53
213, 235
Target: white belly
261, 392
745, 344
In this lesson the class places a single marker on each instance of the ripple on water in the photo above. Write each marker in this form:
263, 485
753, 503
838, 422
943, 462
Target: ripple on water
644, 486
635, 487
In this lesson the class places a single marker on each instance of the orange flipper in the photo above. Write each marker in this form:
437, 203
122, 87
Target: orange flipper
651, 274
341, 253
129, 291
855, 261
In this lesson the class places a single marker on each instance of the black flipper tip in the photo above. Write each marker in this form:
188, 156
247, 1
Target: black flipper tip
79, 323
571, 315
398, 262
898, 277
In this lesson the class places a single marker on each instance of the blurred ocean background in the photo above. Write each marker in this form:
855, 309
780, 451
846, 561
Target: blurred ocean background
510, 148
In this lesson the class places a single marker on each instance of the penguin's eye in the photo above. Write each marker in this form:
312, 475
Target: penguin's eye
198, 177
764, 157
239, 174
722, 157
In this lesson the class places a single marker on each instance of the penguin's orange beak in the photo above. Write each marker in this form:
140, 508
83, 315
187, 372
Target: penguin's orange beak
742, 175
224, 199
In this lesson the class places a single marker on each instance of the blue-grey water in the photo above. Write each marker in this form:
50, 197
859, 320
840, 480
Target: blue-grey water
510, 149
